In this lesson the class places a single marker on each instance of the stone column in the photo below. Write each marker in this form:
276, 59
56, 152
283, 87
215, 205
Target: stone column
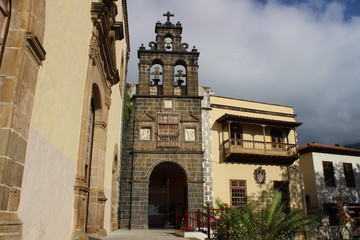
195, 195
22, 59
192, 81
139, 210
144, 79
168, 80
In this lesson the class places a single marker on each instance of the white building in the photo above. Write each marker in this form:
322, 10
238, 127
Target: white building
326, 169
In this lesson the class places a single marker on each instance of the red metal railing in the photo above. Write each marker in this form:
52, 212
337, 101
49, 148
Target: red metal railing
199, 220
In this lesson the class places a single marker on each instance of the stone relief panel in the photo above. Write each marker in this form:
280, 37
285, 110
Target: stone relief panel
145, 134
190, 134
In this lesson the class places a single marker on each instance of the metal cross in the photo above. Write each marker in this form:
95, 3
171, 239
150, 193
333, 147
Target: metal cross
168, 15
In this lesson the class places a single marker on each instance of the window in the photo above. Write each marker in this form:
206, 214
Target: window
238, 193
236, 134
329, 174
349, 175
168, 130
283, 187
276, 138
5, 11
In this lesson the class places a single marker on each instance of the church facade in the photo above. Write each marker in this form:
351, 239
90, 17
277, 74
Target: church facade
184, 146
62, 78
161, 172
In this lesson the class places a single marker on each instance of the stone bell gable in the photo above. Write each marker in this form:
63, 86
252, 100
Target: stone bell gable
170, 55
162, 163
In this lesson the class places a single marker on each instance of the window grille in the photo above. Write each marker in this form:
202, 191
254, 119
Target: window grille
238, 193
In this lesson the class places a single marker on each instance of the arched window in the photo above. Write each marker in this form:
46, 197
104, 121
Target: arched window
276, 138
5, 12
236, 134
180, 80
156, 79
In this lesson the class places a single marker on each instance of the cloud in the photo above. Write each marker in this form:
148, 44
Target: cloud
304, 55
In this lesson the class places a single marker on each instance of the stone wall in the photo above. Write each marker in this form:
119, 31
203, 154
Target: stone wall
206, 143
142, 156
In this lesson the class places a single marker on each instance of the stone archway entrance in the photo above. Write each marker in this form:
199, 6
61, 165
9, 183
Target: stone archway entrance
167, 194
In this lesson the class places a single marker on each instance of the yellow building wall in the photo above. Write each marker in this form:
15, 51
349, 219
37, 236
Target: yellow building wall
306, 165
60, 87
113, 146
47, 198
46, 206
224, 172
254, 105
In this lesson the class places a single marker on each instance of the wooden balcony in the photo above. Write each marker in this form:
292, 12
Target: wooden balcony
246, 151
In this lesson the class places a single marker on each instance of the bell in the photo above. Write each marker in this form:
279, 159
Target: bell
180, 76
168, 42
179, 81
156, 80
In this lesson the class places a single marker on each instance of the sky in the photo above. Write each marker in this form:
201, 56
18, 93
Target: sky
299, 53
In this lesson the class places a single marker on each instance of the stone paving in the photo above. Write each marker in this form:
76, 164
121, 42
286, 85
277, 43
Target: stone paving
138, 234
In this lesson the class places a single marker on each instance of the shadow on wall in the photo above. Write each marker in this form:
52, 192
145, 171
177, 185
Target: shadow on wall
294, 176
327, 207
327, 194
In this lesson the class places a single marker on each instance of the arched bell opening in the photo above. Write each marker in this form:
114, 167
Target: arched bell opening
156, 78
167, 194
168, 43
180, 77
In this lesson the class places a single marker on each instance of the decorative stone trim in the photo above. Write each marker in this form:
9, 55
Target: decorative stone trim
168, 152
35, 48
102, 197
107, 29
167, 96
100, 124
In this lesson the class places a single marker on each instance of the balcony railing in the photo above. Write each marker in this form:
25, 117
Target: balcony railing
239, 146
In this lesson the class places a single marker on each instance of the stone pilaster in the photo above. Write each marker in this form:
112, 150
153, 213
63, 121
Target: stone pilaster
22, 59
207, 143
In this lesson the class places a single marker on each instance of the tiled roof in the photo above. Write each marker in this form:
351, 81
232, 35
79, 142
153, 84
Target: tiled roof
257, 121
315, 147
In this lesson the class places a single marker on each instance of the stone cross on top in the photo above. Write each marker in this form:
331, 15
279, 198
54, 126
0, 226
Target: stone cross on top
168, 15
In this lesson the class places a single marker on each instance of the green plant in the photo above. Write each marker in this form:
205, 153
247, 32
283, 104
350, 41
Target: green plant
128, 108
268, 221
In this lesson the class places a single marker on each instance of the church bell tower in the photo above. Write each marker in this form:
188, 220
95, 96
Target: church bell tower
168, 68
162, 163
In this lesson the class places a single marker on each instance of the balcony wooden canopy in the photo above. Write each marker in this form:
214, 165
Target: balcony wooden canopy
257, 121
256, 152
